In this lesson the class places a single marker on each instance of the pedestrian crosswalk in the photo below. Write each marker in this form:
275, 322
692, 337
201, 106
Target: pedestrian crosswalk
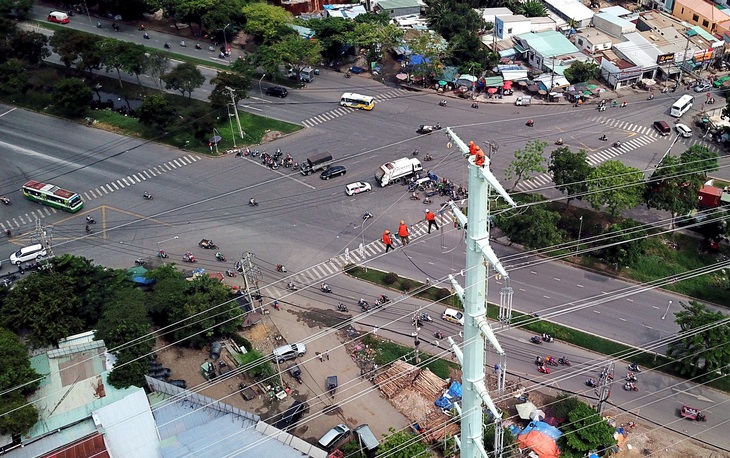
341, 111
321, 272
42, 211
625, 125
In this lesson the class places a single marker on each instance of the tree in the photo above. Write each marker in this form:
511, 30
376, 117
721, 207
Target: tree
532, 226
569, 171
158, 64
297, 52
265, 57
429, 45
13, 78
530, 8
43, 306
220, 96
115, 55
184, 78
626, 243
580, 72
79, 48
267, 22
703, 344
563, 405
17, 416
671, 189
157, 111
698, 159
20, 7
615, 186
450, 18
30, 46
402, 444
376, 38
333, 34
16, 370
223, 13
527, 162
128, 9
586, 430
72, 96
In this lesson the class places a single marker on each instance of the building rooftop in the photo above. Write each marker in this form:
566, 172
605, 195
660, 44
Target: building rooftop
639, 50
514, 18
703, 8
594, 36
612, 18
550, 43
571, 8
396, 4
615, 10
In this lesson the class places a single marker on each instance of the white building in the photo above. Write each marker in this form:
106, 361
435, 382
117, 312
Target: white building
571, 10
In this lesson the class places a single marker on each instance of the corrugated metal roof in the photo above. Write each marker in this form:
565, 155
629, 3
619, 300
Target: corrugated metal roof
550, 43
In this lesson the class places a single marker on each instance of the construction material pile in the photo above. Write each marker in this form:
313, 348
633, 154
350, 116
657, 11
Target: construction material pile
396, 378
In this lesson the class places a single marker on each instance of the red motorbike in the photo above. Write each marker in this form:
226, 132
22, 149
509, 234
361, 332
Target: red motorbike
543, 369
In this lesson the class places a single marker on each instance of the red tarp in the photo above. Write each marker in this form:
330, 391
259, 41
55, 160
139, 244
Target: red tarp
541, 444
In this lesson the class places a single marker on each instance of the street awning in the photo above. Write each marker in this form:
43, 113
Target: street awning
494, 81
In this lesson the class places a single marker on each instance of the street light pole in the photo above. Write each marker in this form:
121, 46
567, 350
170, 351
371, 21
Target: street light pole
261, 92
232, 92
225, 42
667, 311
580, 229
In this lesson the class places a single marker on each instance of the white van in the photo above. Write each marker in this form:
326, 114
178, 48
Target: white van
29, 253
366, 440
58, 17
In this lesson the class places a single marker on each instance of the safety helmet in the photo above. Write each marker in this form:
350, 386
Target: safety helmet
387, 232
402, 222
471, 142
427, 210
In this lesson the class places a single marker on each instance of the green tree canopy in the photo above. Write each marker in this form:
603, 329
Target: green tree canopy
529, 8
17, 416
626, 243
402, 444
72, 97
333, 34
158, 64
585, 431
184, 78
450, 18
532, 226
239, 82
15, 370
30, 46
527, 162
616, 186
703, 344
672, 188
20, 7
569, 171
376, 38
297, 52
13, 78
77, 48
267, 22
157, 111
580, 72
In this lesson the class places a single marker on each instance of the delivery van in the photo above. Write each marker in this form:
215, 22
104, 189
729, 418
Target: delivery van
58, 17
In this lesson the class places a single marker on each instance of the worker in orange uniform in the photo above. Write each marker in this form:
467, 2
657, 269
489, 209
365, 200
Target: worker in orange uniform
480, 159
403, 233
387, 241
472, 148
431, 218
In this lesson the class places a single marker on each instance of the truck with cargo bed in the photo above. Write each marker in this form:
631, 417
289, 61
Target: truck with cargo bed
400, 169
316, 162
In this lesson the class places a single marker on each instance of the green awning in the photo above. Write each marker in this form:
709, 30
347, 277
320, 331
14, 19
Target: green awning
494, 81
520, 49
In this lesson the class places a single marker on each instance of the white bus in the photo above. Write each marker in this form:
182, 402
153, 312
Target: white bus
682, 106
352, 100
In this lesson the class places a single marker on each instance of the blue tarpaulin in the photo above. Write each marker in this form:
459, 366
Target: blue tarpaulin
418, 59
444, 403
455, 390
540, 426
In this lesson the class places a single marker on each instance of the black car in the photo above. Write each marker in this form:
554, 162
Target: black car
277, 91
292, 415
335, 171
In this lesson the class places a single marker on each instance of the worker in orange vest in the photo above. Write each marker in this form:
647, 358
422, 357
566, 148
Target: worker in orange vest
480, 159
431, 218
403, 233
386, 240
472, 148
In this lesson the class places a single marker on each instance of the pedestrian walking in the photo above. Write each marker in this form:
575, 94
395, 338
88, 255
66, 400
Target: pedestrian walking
387, 241
403, 233
431, 218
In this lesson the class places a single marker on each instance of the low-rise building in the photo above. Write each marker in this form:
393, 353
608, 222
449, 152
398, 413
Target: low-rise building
571, 11
702, 13
491, 14
592, 41
399, 7
547, 50
613, 25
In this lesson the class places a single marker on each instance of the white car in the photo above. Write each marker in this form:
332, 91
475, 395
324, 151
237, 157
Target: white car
357, 188
683, 130
453, 316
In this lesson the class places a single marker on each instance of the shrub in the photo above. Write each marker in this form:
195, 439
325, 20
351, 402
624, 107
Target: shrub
390, 278
442, 293
406, 284
241, 341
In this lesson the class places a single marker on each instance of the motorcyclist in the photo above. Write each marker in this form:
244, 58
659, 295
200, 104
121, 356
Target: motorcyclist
5, 200
603, 137
530, 122
146, 36
182, 43
147, 195
442, 102
219, 256
90, 219
252, 201
88, 229
538, 360
559, 142
616, 144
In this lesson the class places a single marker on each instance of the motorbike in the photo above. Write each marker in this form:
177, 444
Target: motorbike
189, 257
384, 299
88, 229
142, 27
5, 200
426, 129
363, 304
536, 340
162, 254
291, 286
347, 74
616, 144
147, 196
139, 262
427, 200
325, 288
146, 36
207, 244
530, 123
219, 256
547, 338
442, 103
8, 233
166, 46
603, 138
564, 361
99, 25
630, 386
710, 101
633, 367
630, 377
253, 203
425, 317
197, 46
439, 335
280, 268
551, 361
427, 158
341, 307
475, 105
366, 216
230, 273
415, 196
591, 382
624, 104
651, 97
543, 369
183, 44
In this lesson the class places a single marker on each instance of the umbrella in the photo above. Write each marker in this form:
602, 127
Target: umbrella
443, 83
648, 82
533, 88
492, 90
522, 83
508, 84
469, 78
401, 76
214, 139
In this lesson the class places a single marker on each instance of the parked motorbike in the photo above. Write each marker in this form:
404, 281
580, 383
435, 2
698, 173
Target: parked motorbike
564, 361
536, 340
341, 307
547, 338
189, 257
325, 288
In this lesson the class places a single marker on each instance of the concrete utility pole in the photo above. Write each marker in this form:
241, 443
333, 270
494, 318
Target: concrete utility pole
42, 236
474, 297
250, 285
232, 92
604, 386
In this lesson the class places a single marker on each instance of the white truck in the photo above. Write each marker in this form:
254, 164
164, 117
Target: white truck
392, 172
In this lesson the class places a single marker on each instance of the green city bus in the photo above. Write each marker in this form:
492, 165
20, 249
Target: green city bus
53, 196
